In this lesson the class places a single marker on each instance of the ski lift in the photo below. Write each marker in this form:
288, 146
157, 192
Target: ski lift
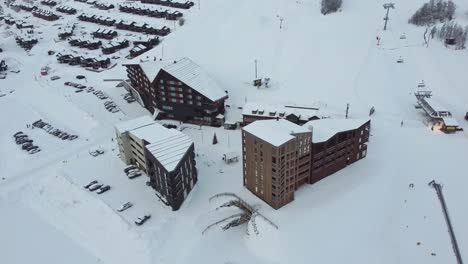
421, 84
403, 36
400, 60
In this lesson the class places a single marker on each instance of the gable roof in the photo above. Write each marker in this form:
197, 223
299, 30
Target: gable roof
304, 113
275, 132
168, 146
324, 129
194, 76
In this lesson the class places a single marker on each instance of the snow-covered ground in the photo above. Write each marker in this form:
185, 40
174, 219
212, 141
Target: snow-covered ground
365, 213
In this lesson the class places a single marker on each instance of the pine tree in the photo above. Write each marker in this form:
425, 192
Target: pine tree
215, 140
330, 6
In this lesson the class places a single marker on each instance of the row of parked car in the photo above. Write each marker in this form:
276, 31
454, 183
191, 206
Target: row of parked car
101, 188
26, 143
54, 131
129, 98
96, 152
111, 107
100, 94
132, 171
95, 185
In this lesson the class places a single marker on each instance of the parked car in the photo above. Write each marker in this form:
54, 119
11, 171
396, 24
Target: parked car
115, 110
133, 175
125, 206
20, 136
26, 145
31, 147
169, 126
103, 189
53, 78
95, 187
142, 219
33, 151
90, 183
78, 91
130, 167
18, 133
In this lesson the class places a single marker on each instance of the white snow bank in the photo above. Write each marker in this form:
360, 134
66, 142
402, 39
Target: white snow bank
88, 220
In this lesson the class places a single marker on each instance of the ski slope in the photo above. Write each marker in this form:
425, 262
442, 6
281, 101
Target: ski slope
365, 213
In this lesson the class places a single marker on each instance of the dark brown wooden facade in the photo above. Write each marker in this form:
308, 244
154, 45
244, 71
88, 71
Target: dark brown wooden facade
173, 186
339, 151
273, 173
175, 99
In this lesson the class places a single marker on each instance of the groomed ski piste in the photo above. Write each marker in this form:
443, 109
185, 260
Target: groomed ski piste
365, 213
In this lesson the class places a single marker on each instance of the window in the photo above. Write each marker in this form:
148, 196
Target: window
172, 88
161, 81
198, 103
174, 100
273, 159
167, 107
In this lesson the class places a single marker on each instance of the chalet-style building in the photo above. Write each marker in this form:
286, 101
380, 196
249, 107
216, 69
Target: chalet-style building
103, 6
22, 24
115, 46
166, 155
66, 10
49, 2
45, 14
169, 3
253, 111
181, 90
104, 33
149, 11
66, 32
280, 156
86, 44
138, 50
26, 42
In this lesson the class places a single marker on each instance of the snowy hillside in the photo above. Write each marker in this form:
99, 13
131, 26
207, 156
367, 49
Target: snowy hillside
365, 213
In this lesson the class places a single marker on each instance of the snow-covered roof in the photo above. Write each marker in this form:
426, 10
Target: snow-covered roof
435, 105
275, 132
194, 76
281, 111
324, 129
170, 148
133, 124
450, 121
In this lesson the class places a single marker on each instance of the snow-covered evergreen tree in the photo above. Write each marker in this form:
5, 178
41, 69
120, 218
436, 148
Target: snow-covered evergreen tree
432, 12
330, 6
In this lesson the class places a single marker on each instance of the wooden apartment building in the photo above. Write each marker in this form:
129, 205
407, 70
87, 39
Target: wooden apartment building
280, 156
166, 155
181, 90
